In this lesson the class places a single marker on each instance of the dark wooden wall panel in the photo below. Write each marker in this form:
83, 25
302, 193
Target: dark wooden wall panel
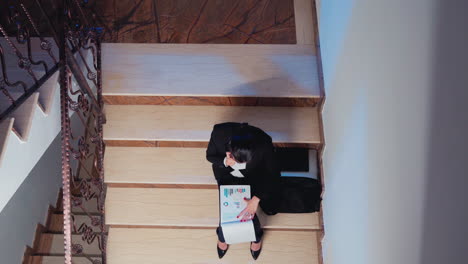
198, 21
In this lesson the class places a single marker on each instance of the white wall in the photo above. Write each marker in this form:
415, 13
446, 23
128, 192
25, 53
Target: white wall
29, 204
21, 157
396, 126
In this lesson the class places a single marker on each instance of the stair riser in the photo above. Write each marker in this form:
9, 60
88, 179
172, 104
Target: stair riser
212, 228
194, 144
162, 185
58, 260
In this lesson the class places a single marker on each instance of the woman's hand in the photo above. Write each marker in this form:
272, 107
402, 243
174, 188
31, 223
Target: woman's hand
229, 160
249, 212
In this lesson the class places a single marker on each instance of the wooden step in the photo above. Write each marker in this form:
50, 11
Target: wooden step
90, 206
197, 246
56, 222
210, 74
52, 244
158, 166
181, 208
161, 167
59, 260
191, 126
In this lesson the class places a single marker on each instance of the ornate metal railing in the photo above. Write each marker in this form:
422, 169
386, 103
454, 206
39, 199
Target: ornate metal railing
28, 56
82, 142
39, 38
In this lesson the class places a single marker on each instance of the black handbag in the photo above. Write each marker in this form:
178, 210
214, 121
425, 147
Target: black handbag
299, 195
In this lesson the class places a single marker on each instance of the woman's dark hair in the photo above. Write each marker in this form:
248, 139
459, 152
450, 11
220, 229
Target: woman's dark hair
240, 144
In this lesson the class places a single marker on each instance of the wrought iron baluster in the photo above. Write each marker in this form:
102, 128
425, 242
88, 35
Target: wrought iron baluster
23, 62
4, 80
45, 44
23, 36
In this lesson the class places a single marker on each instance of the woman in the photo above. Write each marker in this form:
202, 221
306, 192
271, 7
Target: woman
244, 155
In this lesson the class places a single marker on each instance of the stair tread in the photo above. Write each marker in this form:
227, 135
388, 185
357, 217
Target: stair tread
195, 123
56, 222
197, 246
135, 166
210, 70
166, 207
52, 244
90, 206
157, 166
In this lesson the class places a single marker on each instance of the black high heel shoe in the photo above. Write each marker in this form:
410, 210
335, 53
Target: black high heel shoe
221, 252
255, 254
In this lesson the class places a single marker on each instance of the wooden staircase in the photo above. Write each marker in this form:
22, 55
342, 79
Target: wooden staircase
162, 101
47, 247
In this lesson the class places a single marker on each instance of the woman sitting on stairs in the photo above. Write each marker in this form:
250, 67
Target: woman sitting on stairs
250, 151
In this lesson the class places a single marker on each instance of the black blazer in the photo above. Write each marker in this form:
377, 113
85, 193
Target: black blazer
261, 172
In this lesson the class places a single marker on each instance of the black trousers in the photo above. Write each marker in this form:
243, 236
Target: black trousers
228, 179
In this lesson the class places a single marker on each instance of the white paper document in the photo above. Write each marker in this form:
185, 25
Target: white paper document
231, 204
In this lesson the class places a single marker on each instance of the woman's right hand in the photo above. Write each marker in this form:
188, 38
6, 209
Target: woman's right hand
229, 160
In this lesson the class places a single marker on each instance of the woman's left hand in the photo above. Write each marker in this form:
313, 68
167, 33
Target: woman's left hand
249, 212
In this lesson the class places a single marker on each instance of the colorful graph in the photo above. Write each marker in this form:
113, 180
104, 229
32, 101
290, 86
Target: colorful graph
230, 192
